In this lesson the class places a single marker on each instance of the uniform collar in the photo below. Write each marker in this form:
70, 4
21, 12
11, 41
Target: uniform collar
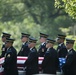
3, 43
49, 48
24, 43
61, 44
8, 48
69, 49
31, 49
43, 43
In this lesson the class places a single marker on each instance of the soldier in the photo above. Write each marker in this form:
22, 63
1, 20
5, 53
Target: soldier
42, 48
61, 49
31, 63
4, 37
24, 49
69, 67
50, 63
10, 63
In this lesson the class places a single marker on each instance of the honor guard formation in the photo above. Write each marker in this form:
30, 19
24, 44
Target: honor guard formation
60, 61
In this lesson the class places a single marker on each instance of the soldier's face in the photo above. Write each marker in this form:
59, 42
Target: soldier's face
7, 44
59, 41
47, 45
3, 39
68, 46
24, 39
31, 45
42, 39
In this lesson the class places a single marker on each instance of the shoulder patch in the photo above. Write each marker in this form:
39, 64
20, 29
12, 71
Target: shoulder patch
8, 55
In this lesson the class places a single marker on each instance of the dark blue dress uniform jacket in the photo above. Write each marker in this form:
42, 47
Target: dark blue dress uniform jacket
24, 50
62, 51
50, 63
3, 50
31, 63
42, 50
10, 63
69, 67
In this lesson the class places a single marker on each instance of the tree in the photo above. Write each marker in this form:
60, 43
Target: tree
68, 5
38, 12
33, 16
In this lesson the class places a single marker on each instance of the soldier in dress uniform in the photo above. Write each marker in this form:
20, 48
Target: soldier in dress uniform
69, 67
4, 37
42, 48
61, 49
50, 63
31, 63
10, 63
24, 49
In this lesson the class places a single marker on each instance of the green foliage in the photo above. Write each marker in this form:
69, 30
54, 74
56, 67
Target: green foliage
68, 5
33, 16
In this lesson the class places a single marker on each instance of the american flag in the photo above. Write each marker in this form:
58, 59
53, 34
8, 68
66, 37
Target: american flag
22, 60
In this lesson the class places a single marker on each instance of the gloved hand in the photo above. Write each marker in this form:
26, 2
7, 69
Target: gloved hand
1, 69
58, 73
24, 68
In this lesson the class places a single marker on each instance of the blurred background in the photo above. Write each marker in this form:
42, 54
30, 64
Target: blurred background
34, 16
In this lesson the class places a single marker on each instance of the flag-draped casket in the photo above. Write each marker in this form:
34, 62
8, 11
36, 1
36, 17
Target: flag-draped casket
22, 60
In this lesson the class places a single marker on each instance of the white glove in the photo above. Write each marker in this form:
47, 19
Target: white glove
24, 68
1, 69
58, 73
